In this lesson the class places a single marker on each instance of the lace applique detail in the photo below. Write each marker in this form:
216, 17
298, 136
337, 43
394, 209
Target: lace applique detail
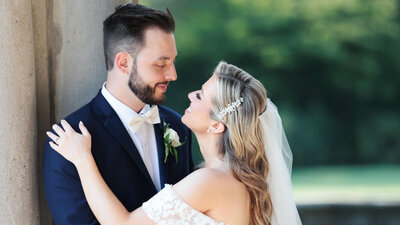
167, 208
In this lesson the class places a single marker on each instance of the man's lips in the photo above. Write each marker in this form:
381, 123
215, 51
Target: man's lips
163, 87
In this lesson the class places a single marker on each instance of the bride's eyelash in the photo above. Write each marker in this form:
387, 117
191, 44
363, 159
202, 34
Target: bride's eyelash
198, 96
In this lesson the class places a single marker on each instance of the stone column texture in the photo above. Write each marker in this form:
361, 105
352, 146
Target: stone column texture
39, 19
77, 61
18, 133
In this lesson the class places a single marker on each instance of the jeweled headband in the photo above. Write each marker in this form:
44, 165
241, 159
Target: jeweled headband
230, 108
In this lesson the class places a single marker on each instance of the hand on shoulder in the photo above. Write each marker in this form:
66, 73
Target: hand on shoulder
71, 145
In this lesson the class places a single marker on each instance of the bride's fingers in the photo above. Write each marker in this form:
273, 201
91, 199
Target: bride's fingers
54, 146
83, 129
52, 136
59, 131
68, 129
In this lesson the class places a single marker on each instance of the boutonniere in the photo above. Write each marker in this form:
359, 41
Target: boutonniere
171, 142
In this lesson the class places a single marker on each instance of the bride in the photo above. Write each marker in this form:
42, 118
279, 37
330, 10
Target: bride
246, 177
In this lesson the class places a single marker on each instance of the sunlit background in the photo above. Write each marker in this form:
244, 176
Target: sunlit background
333, 69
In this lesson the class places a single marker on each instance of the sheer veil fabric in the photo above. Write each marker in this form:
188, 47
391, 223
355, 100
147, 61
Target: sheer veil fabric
280, 161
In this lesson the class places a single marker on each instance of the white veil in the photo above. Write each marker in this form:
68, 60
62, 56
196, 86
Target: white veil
280, 160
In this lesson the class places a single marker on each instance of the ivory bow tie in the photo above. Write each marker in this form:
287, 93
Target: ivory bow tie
150, 116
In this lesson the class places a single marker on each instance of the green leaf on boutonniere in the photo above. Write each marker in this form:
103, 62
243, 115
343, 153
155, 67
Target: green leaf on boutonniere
167, 147
171, 142
175, 154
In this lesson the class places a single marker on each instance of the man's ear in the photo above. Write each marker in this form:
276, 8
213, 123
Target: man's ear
217, 127
122, 62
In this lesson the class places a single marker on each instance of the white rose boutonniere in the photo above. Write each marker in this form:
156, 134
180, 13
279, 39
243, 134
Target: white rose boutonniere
171, 142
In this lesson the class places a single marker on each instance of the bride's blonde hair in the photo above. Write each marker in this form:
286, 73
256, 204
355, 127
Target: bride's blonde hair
242, 141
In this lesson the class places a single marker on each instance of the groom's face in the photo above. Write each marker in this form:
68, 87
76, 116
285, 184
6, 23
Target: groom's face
154, 67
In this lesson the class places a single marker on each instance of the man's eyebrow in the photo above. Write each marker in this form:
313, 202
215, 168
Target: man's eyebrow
165, 58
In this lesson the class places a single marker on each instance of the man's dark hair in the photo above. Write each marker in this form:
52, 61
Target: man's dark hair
124, 29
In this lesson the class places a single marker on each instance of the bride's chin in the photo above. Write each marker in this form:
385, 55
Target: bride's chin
186, 120
183, 120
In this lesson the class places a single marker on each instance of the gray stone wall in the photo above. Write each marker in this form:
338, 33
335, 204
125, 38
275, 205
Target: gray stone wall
18, 131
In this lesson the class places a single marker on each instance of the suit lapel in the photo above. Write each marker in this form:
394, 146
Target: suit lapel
114, 125
163, 167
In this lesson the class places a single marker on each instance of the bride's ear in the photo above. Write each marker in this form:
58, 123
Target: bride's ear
217, 127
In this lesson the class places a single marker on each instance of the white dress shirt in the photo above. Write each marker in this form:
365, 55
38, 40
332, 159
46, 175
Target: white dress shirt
144, 138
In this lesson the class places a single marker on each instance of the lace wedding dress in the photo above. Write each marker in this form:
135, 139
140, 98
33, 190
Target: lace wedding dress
167, 208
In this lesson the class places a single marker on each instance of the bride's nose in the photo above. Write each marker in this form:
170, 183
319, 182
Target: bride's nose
191, 95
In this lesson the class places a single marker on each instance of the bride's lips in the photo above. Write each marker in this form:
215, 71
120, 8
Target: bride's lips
188, 110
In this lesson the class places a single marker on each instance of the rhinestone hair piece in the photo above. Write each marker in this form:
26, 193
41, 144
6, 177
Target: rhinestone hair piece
230, 108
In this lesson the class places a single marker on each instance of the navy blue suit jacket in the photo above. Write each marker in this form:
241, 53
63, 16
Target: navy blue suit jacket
118, 160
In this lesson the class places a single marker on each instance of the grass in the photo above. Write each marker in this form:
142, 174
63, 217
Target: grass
347, 184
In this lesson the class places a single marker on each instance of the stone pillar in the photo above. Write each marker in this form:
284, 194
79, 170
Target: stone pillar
39, 19
77, 59
18, 170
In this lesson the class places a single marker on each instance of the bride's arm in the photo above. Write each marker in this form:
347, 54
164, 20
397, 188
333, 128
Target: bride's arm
105, 205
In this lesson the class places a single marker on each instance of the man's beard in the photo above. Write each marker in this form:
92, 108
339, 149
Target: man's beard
143, 91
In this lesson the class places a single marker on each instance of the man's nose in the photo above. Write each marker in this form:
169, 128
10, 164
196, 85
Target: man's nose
171, 73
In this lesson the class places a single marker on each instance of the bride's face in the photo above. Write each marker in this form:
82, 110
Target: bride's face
197, 115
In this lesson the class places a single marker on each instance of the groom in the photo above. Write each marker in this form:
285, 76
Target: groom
125, 119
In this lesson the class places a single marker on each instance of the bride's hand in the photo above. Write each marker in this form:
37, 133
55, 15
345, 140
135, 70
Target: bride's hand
71, 145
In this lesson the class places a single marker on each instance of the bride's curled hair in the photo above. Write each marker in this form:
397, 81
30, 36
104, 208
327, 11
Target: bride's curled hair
242, 141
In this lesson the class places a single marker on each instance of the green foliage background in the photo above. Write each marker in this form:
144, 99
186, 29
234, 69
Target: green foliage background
331, 66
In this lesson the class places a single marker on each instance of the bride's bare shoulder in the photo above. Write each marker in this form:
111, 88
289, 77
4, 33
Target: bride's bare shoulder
203, 179
202, 188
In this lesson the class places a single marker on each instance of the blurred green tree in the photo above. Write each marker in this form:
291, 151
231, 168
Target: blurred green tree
332, 68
